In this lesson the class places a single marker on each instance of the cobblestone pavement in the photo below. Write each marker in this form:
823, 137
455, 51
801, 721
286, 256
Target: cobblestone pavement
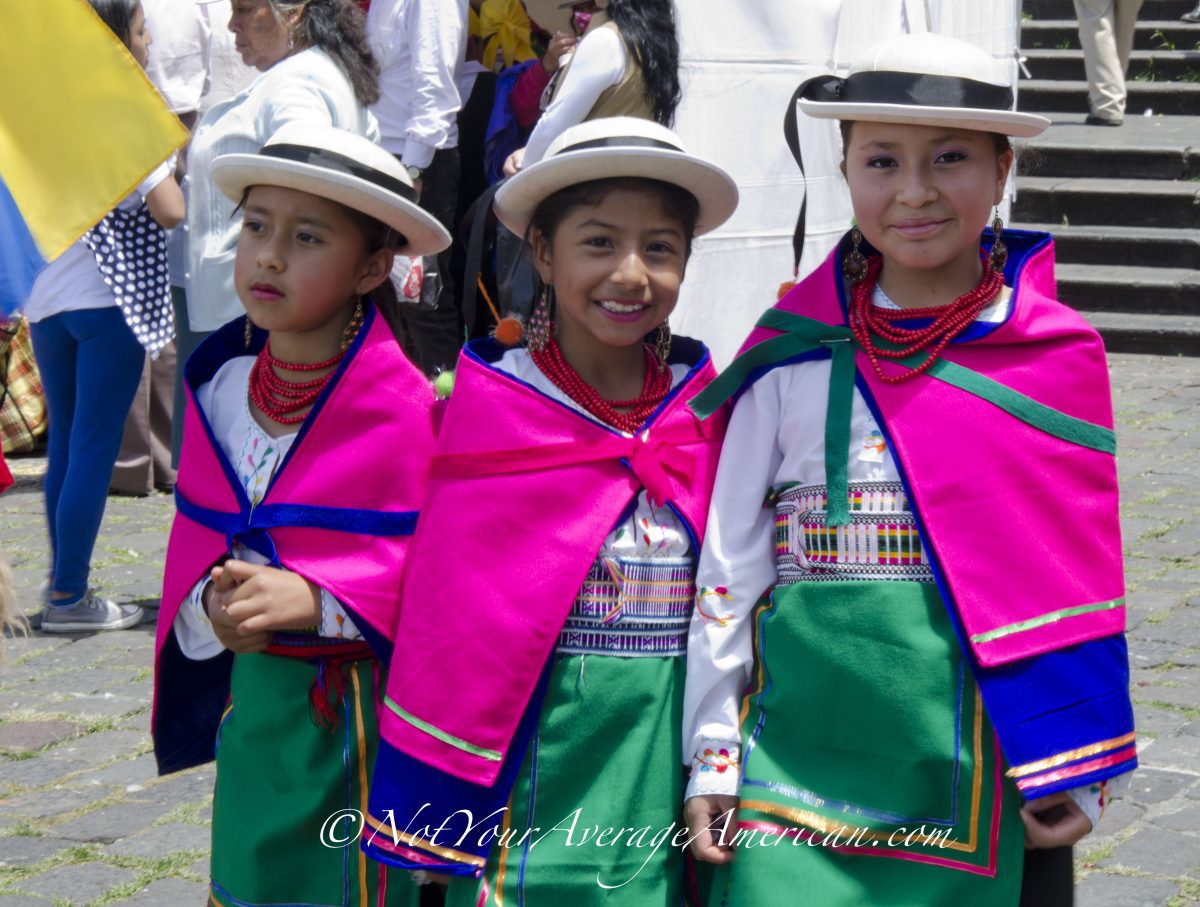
85, 820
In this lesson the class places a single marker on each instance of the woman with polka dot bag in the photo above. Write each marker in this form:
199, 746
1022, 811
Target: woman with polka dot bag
94, 313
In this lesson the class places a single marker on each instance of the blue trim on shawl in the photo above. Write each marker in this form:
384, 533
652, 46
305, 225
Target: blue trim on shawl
249, 526
1043, 705
418, 795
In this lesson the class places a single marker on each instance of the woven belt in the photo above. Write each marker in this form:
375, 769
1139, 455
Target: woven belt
880, 543
631, 607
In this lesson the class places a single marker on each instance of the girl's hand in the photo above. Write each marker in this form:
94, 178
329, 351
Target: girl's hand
559, 45
266, 599
225, 627
1054, 821
514, 161
711, 821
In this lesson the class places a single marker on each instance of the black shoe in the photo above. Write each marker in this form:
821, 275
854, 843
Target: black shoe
1193, 16
1092, 120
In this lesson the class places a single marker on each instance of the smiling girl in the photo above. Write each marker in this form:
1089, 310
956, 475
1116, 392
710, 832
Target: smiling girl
306, 450
540, 671
905, 658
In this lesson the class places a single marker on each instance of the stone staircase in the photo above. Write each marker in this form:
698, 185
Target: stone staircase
1123, 203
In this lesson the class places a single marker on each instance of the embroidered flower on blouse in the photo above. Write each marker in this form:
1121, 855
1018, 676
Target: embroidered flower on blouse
719, 592
718, 761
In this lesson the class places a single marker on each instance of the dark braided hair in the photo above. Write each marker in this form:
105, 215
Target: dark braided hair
117, 15
648, 27
338, 28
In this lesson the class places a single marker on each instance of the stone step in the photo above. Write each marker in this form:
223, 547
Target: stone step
1151, 10
1144, 65
1168, 34
1158, 147
1147, 247
1136, 290
1164, 335
1123, 202
1051, 95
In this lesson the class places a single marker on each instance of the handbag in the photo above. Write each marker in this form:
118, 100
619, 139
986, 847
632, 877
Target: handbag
22, 401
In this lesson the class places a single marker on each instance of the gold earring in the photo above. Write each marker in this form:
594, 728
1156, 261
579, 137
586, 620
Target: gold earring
540, 324
249, 331
999, 251
854, 263
662, 345
351, 329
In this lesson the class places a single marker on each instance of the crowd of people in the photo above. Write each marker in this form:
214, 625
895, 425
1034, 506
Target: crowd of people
760, 631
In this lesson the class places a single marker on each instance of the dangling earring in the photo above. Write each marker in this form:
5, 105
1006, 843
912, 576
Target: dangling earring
351, 329
662, 345
540, 326
854, 263
249, 331
291, 39
999, 253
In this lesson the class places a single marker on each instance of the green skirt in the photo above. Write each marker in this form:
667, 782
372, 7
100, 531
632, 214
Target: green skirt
871, 774
280, 778
599, 793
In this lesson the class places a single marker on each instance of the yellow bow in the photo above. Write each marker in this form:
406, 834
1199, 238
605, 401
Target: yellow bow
505, 26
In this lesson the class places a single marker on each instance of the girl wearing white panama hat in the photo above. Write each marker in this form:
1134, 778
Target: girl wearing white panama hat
539, 657
305, 454
932, 649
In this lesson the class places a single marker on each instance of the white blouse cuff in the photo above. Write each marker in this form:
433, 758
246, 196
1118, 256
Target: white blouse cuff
1093, 799
716, 768
335, 622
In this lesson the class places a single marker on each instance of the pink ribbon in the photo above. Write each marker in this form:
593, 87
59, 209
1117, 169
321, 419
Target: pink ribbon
656, 458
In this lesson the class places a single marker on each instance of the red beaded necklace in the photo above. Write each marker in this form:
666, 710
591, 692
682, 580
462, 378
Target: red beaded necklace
654, 390
948, 321
286, 402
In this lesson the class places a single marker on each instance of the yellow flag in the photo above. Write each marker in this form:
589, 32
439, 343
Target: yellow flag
80, 124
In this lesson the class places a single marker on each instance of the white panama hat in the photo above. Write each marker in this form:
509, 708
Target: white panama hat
340, 166
923, 79
616, 147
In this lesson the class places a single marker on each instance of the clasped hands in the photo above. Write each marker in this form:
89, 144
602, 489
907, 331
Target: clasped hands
247, 602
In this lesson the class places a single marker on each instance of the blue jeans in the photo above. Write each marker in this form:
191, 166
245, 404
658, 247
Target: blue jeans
90, 364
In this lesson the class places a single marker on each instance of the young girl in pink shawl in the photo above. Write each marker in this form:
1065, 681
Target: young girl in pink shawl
537, 678
907, 665
305, 454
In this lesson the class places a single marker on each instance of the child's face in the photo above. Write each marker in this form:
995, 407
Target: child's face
139, 37
922, 194
615, 267
302, 261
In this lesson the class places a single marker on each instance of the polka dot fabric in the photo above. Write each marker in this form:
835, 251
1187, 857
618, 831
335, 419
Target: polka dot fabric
131, 252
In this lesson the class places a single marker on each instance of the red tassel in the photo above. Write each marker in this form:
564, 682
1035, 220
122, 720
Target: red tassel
326, 690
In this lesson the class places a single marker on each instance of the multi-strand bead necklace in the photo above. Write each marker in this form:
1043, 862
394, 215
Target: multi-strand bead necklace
868, 321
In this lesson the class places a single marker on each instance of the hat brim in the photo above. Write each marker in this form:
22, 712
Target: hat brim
234, 173
1005, 122
714, 189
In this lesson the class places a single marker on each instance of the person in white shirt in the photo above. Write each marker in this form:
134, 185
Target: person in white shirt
420, 45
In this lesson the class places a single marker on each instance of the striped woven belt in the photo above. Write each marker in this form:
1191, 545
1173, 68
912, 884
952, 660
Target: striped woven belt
632, 607
881, 542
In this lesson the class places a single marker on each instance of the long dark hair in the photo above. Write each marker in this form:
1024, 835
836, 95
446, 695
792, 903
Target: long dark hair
117, 15
338, 28
648, 26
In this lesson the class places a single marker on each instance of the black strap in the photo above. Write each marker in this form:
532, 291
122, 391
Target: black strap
621, 141
479, 215
331, 160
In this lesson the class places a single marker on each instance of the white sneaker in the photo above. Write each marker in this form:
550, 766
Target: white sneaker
90, 613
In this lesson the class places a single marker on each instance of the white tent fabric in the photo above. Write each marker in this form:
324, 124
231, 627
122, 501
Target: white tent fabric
740, 64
